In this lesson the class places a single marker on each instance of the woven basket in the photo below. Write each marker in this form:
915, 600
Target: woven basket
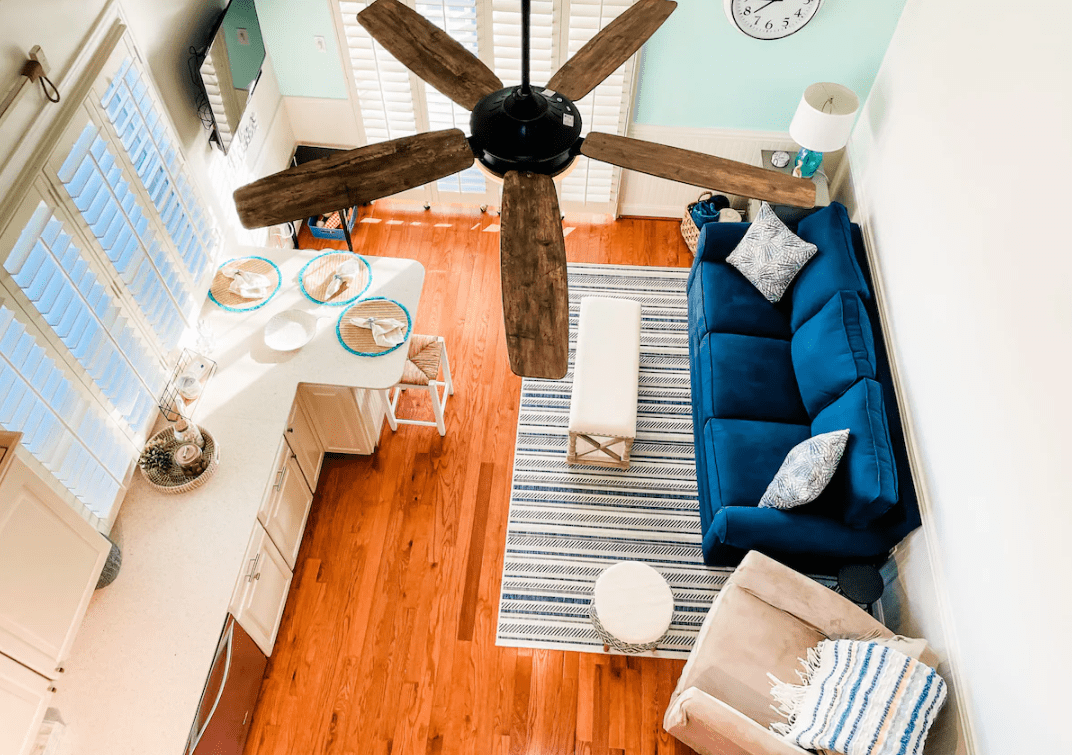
689, 231
166, 483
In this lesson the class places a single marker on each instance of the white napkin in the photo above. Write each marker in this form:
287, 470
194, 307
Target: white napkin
249, 285
344, 273
386, 331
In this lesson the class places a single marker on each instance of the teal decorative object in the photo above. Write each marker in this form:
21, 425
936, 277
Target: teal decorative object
807, 162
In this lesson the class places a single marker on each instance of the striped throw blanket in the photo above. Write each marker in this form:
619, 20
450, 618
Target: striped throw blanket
859, 698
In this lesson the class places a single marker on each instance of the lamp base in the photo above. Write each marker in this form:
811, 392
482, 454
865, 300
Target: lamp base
807, 162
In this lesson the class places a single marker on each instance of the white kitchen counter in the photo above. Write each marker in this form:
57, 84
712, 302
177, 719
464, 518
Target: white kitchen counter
139, 663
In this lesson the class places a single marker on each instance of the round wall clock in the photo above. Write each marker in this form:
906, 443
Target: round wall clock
770, 19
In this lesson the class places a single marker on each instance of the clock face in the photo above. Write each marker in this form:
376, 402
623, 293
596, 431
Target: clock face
771, 19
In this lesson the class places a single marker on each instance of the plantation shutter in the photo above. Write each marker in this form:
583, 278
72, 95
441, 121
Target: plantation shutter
605, 109
105, 256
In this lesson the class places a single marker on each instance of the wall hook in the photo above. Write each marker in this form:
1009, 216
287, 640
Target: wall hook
36, 68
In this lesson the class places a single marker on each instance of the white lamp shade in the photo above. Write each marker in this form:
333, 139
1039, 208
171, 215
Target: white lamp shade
824, 117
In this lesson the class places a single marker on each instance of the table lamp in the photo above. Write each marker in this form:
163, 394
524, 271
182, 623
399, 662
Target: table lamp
822, 123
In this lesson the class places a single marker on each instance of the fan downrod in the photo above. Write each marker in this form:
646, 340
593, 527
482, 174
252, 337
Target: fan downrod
538, 131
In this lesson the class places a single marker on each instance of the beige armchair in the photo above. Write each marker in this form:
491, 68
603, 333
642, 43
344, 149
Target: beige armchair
763, 620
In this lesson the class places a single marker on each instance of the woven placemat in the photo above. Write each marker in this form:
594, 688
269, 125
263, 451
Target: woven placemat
359, 340
220, 291
316, 275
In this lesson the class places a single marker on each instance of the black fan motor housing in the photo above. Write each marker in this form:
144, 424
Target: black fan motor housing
539, 132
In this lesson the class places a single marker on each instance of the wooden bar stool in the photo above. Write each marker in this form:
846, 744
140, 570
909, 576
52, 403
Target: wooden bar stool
426, 355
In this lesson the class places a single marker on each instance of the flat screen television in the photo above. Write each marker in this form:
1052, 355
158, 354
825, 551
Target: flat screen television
231, 68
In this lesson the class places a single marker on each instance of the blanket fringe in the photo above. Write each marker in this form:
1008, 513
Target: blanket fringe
791, 696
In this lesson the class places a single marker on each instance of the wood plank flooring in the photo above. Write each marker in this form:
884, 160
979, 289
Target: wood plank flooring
387, 644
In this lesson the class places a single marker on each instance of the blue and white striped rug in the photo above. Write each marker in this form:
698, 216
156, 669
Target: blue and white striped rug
568, 523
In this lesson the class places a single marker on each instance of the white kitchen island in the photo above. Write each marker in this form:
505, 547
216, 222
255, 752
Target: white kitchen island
135, 675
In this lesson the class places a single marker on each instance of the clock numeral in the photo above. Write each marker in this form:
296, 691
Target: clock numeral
799, 14
747, 10
785, 23
756, 20
769, 26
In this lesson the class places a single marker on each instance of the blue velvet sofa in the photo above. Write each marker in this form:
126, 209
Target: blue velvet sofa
767, 376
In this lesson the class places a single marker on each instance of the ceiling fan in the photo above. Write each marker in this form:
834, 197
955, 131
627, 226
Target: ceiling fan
522, 133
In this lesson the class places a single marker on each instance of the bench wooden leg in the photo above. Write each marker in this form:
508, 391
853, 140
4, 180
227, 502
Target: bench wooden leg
600, 454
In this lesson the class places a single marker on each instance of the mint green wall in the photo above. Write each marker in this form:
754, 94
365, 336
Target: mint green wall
245, 60
303, 71
699, 71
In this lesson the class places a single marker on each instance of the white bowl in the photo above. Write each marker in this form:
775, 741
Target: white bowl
289, 330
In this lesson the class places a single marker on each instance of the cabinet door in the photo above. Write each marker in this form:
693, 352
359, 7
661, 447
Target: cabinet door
304, 443
337, 418
24, 698
286, 506
50, 560
261, 592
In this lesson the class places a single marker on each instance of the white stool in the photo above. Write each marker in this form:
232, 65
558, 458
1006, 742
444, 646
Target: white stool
603, 405
426, 355
632, 607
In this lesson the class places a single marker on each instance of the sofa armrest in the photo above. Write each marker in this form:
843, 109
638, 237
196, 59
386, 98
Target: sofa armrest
709, 726
815, 605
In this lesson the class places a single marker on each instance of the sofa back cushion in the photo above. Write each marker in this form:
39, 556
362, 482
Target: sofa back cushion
832, 269
832, 350
865, 483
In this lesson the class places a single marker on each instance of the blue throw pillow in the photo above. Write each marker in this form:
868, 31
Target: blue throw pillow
866, 479
744, 455
833, 350
832, 269
751, 378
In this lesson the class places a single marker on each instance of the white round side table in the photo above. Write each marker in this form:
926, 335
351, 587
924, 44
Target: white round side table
631, 607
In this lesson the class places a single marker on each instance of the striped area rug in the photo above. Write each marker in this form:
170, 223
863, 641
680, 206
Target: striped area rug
568, 523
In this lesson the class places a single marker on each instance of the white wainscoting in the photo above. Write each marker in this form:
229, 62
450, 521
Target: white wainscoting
647, 196
323, 122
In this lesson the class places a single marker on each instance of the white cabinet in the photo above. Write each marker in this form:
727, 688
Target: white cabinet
304, 442
286, 504
347, 420
24, 698
50, 560
261, 592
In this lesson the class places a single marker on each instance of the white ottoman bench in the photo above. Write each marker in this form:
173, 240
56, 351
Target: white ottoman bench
631, 607
603, 405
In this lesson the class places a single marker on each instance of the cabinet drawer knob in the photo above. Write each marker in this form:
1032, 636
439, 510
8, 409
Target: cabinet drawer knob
290, 429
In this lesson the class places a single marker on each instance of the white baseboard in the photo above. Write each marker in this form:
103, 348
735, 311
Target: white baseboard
646, 196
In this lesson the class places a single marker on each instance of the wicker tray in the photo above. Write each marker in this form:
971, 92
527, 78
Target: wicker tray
232, 302
166, 483
316, 276
359, 340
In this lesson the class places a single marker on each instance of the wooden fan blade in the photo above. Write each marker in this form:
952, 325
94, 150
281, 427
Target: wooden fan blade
610, 48
699, 169
429, 52
534, 289
351, 178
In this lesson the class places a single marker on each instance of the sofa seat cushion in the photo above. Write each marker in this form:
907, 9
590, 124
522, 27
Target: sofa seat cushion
734, 669
833, 350
730, 304
833, 268
744, 455
749, 377
865, 484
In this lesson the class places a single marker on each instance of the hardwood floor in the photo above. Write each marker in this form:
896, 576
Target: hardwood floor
387, 644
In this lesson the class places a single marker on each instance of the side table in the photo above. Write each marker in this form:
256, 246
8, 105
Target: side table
860, 583
632, 607
786, 213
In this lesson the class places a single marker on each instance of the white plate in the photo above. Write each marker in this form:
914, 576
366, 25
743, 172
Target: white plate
289, 330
